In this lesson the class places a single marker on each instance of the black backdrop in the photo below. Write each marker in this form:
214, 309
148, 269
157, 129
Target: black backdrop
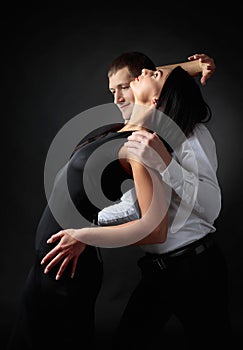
54, 66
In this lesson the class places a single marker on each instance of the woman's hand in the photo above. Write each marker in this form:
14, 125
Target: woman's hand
207, 65
67, 250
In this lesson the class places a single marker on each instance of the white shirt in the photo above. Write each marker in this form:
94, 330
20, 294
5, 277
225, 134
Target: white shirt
193, 186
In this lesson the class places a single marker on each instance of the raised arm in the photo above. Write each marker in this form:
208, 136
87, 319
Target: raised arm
198, 64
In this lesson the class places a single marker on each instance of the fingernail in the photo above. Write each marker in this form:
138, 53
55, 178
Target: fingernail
46, 270
57, 277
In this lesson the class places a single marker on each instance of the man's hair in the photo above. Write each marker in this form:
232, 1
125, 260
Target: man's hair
134, 61
181, 99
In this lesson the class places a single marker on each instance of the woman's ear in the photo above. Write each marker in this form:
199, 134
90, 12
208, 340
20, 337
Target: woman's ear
154, 101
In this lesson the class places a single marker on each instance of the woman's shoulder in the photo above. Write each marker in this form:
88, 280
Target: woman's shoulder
104, 129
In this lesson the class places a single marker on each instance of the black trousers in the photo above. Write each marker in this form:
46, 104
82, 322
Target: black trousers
194, 288
59, 314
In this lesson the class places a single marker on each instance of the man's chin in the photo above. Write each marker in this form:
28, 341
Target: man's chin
126, 117
126, 114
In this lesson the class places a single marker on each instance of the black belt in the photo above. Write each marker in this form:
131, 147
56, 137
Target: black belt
161, 261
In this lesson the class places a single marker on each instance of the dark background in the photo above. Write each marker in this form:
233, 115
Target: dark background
54, 64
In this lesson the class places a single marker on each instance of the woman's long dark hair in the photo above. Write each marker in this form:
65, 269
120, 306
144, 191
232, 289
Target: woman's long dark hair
181, 99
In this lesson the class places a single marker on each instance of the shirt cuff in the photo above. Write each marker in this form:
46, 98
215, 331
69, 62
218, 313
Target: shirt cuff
172, 175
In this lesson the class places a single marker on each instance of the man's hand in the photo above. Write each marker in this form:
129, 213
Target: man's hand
207, 64
67, 250
149, 149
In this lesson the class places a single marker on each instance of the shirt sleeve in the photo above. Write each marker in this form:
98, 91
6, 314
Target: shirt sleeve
192, 174
125, 210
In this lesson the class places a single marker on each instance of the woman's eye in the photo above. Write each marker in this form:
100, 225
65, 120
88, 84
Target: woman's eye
156, 74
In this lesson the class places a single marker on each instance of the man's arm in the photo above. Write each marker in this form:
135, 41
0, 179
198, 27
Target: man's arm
192, 175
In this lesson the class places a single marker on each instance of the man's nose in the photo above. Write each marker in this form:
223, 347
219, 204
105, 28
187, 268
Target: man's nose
118, 98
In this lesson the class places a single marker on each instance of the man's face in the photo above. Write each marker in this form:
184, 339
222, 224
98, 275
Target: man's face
119, 85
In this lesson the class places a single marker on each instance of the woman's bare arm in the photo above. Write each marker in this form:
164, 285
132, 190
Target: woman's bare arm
198, 64
151, 227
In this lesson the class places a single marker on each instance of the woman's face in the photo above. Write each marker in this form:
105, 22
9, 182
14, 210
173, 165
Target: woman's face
147, 86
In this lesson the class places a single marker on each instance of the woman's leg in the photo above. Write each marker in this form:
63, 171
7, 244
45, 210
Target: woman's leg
59, 314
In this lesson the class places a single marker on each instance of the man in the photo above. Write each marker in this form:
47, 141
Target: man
186, 275
121, 72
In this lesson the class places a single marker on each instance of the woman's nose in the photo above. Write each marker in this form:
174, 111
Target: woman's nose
145, 71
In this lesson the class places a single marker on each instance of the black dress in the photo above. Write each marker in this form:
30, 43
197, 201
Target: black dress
60, 314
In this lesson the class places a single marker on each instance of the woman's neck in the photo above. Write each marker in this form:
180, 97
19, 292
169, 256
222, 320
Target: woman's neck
141, 118
131, 127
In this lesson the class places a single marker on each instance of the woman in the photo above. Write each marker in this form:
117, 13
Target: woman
49, 305
149, 99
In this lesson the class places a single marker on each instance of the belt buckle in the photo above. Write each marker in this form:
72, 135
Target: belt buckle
160, 263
